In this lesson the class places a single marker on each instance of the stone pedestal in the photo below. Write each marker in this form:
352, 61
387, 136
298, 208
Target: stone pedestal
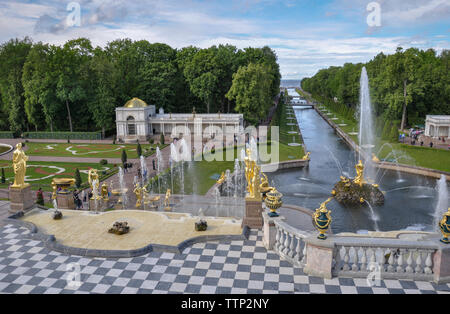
21, 199
270, 231
442, 264
65, 201
253, 214
319, 258
101, 205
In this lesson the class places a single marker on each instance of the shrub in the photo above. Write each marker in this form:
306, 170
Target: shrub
78, 178
40, 199
162, 139
64, 135
151, 141
394, 135
124, 157
139, 150
3, 179
386, 130
103, 162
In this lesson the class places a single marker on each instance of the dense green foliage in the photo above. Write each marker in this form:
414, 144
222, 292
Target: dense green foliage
76, 87
405, 86
78, 180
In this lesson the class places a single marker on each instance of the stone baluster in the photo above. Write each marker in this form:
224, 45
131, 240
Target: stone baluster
409, 262
336, 265
277, 239
346, 266
383, 260
292, 246
400, 268
298, 251
355, 266
281, 246
364, 258
286, 243
373, 259
391, 261
303, 261
419, 267
429, 264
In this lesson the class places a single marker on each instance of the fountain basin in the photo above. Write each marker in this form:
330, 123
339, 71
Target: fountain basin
83, 231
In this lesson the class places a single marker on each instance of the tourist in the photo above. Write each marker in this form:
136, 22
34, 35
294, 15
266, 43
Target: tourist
431, 144
154, 165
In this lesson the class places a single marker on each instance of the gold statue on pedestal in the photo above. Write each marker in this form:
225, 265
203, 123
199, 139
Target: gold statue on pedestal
359, 179
105, 192
55, 190
20, 167
92, 176
138, 192
253, 176
167, 200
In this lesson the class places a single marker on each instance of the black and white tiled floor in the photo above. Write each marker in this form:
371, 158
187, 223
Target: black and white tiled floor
237, 267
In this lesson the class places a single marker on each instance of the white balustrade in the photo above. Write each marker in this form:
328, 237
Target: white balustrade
289, 244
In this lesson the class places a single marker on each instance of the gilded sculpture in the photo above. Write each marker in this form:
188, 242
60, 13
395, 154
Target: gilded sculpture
20, 167
138, 192
359, 179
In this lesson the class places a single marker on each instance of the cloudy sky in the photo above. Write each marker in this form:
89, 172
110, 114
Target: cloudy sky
306, 34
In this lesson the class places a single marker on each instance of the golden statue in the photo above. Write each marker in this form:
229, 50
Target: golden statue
167, 200
307, 156
105, 192
375, 158
359, 179
221, 179
92, 176
265, 187
256, 184
249, 171
55, 190
138, 192
20, 167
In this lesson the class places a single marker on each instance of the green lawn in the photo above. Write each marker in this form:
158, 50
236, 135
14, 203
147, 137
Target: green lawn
4, 149
425, 157
86, 150
41, 174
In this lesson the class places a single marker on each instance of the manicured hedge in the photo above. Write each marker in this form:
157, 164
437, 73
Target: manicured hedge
6, 134
64, 135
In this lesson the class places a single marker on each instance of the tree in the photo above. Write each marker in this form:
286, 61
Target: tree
139, 150
103, 103
13, 55
124, 157
394, 135
78, 180
40, 198
251, 91
3, 179
162, 139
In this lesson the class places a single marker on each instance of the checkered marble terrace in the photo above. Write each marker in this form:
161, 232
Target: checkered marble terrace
223, 267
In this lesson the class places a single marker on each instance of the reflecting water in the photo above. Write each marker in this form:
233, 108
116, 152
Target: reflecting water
410, 199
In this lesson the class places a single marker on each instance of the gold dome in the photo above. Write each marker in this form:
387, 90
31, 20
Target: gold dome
136, 103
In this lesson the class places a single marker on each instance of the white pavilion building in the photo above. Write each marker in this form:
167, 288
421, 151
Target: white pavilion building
138, 121
437, 126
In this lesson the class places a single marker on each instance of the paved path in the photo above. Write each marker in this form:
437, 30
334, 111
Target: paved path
4, 212
237, 267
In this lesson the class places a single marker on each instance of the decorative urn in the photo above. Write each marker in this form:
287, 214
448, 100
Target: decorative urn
444, 225
322, 220
273, 202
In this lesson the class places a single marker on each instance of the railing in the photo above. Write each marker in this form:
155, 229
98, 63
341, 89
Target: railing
290, 244
391, 258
